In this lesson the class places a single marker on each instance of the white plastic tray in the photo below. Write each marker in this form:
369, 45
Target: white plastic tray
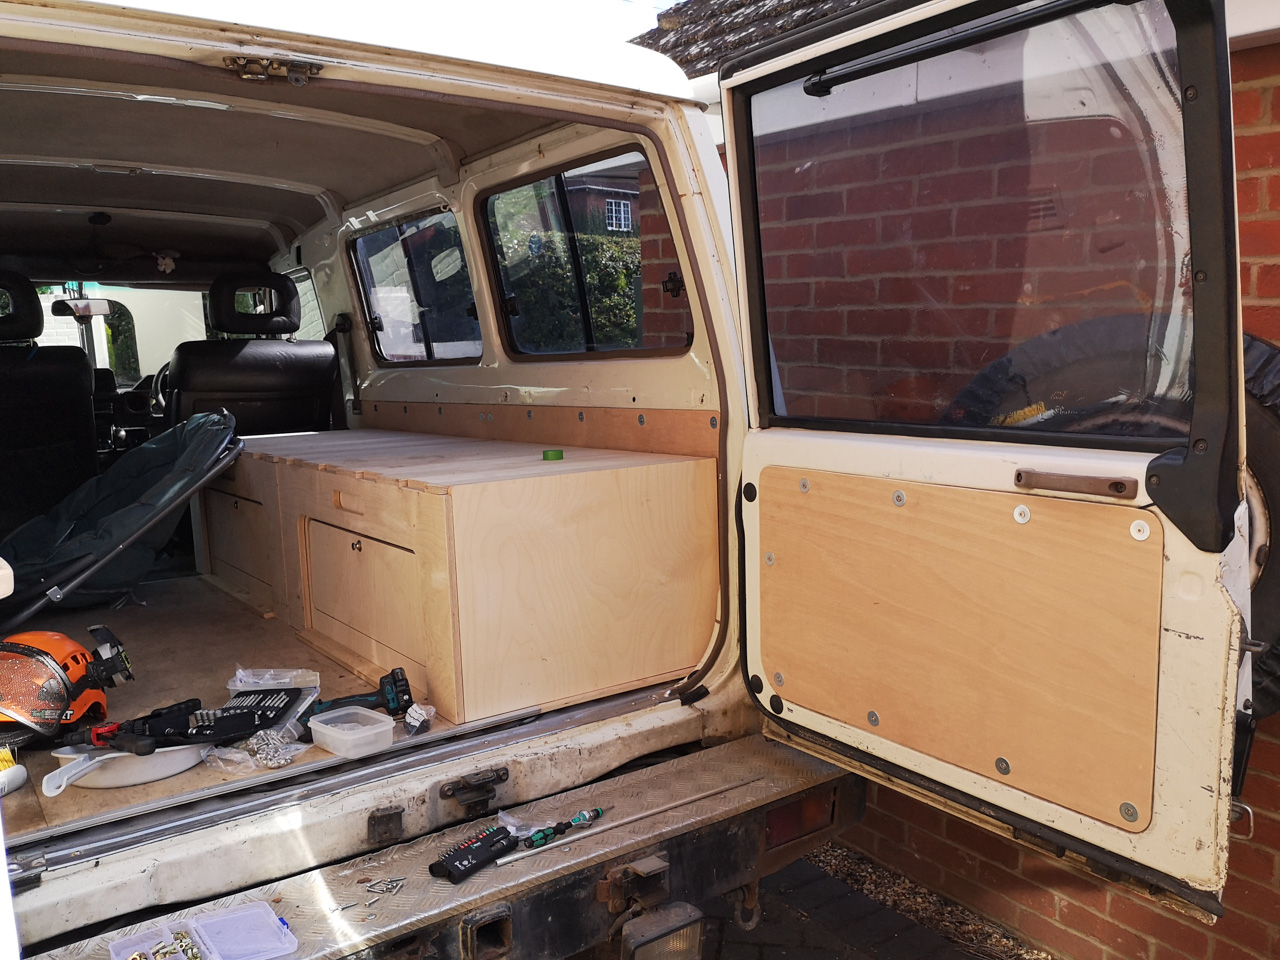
251, 931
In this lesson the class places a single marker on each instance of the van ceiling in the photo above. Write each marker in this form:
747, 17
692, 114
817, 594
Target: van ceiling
193, 160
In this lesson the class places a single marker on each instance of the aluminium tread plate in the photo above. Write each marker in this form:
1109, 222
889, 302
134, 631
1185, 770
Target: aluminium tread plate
748, 772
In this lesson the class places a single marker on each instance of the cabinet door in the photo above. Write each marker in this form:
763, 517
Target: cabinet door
239, 539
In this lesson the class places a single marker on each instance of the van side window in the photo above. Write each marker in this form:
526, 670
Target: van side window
989, 237
417, 291
587, 262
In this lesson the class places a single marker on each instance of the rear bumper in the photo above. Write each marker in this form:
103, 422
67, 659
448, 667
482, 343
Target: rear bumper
564, 899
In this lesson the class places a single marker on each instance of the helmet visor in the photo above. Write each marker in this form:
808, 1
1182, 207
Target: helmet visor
34, 690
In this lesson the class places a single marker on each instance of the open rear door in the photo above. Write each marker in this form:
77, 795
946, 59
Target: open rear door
994, 538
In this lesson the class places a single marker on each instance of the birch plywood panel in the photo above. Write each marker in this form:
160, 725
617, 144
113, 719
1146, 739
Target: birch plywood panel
575, 584
970, 635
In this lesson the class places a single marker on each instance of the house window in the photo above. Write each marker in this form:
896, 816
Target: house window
617, 214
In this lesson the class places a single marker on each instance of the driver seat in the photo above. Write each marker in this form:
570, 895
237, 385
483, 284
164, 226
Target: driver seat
47, 429
269, 385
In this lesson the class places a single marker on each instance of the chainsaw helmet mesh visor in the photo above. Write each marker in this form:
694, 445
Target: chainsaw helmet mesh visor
34, 689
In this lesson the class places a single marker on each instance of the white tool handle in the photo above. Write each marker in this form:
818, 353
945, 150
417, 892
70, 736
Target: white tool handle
55, 781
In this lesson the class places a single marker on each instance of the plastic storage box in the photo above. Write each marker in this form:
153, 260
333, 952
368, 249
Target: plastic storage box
251, 931
352, 731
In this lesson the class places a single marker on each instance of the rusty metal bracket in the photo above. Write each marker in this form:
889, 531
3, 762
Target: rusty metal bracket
643, 882
475, 791
386, 825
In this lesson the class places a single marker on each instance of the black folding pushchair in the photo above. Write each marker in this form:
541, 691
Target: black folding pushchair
100, 540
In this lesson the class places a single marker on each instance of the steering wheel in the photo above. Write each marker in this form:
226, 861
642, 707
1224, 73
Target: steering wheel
157, 396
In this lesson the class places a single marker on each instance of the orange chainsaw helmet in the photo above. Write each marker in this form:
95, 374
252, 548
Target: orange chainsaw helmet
48, 680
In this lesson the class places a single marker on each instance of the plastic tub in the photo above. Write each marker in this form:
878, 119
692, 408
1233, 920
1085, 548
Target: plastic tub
251, 931
352, 731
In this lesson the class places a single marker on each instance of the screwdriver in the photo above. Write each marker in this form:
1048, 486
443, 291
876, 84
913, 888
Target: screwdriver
540, 837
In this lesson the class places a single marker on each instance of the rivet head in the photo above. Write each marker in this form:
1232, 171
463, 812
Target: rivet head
1022, 513
873, 718
1191, 93
1200, 446
1139, 530
714, 423
899, 498
1002, 766
528, 414
1201, 276
581, 416
804, 484
641, 419
768, 559
1129, 812
779, 679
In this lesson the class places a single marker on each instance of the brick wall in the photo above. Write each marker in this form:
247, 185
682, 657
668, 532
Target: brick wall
1071, 914
665, 321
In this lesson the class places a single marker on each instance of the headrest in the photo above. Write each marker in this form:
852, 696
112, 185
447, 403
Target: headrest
225, 318
24, 319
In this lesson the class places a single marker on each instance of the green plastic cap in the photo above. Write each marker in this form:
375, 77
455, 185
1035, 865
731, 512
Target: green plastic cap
552, 454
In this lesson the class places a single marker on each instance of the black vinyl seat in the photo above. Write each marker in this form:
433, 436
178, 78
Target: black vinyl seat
269, 385
47, 430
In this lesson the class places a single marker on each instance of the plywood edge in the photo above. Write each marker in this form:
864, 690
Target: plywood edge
460, 690
603, 692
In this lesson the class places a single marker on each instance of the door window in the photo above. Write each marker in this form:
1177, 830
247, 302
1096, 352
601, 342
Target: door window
991, 236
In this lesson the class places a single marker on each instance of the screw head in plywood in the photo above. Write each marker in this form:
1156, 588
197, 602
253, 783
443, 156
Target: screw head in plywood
804, 484
1002, 766
899, 498
873, 718
779, 679
1139, 530
1022, 513
1129, 812
768, 559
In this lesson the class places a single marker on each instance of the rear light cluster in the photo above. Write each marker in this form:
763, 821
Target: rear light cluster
798, 818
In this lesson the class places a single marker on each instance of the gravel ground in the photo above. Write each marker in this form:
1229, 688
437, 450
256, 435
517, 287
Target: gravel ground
969, 932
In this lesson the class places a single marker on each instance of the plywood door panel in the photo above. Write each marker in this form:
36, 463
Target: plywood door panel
576, 583
238, 534
971, 636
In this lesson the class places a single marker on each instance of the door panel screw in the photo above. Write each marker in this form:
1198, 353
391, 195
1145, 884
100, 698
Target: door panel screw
1002, 766
899, 498
1129, 812
873, 718
779, 679
804, 484
768, 559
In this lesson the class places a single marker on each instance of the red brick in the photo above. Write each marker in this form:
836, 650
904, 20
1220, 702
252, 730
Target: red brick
1248, 195
950, 322
1122, 167
845, 233
1165, 953
823, 379
974, 355
1065, 882
790, 349
843, 293
1150, 919
1039, 250
946, 855
959, 255
1015, 887
875, 322
954, 188
1246, 279
987, 288
1244, 932
918, 159
1246, 107
1269, 278
1273, 193
1007, 146
882, 823
986, 844
789, 237
993, 219
1252, 898
913, 289
825, 140
895, 259
784, 180
1124, 942
1055, 938
885, 132
1262, 789
1259, 238
775, 267
915, 354
1262, 322
913, 811
988, 112
829, 323
1252, 861
1257, 63
990, 903
1080, 136
899, 857
842, 171
878, 197
804, 265
1229, 951
787, 295
847, 352
1257, 151
926, 225
815, 206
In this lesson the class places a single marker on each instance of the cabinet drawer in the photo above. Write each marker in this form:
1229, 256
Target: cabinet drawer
368, 584
238, 534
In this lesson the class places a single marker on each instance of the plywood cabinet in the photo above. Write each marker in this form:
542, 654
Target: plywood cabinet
498, 579
242, 536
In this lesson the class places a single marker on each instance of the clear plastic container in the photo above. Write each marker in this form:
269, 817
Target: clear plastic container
352, 731
251, 931
272, 678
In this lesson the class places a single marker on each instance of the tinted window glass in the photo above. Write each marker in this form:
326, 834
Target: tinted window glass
993, 236
418, 291
584, 256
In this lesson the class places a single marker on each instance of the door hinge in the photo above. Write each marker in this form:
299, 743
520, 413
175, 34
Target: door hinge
297, 72
475, 791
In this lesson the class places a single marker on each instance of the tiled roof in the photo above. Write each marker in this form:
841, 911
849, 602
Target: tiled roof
701, 34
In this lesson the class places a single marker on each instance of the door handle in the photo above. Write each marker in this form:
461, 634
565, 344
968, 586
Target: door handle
357, 546
1125, 488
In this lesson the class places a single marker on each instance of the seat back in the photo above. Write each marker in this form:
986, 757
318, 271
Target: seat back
47, 427
268, 385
